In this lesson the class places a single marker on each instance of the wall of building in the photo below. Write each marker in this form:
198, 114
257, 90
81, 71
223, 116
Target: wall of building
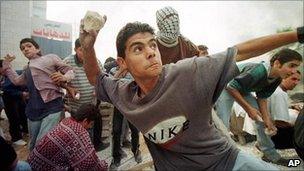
39, 9
15, 25
53, 37
50, 46
17, 19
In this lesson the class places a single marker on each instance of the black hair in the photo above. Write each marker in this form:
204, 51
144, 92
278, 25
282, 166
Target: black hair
202, 47
285, 55
109, 64
127, 31
86, 111
33, 42
77, 43
109, 59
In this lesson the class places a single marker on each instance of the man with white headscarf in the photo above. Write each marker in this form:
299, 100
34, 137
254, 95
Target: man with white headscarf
171, 44
174, 47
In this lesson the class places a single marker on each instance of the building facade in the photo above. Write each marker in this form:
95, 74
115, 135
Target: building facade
19, 19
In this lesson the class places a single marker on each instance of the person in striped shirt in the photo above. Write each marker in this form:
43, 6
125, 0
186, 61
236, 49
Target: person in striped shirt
86, 93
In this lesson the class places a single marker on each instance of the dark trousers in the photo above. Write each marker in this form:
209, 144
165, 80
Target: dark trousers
95, 132
116, 132
284, 138
15, 112
97, 128
299, 134
300, 151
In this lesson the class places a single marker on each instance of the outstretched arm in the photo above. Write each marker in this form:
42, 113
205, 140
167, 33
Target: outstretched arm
259, 46
90, 63
10, 73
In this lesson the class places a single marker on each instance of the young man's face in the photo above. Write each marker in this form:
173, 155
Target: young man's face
292, 81
29, 50
142, 57
288, 68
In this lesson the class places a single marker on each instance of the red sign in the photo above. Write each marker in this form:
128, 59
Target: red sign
51, 30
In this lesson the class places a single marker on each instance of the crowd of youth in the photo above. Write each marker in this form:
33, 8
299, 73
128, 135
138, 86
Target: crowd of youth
161, 85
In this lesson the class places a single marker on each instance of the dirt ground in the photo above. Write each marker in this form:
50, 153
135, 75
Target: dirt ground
22, 151
128, 163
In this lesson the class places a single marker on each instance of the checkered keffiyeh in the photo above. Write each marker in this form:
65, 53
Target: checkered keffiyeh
66, 147
168, 24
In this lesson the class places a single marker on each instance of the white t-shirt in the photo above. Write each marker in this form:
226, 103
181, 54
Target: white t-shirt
278, 107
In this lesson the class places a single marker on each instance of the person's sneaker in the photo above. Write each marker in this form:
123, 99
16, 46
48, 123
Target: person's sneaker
126, 144
281, 161
101, 146
137, 156
114, 164
20, 142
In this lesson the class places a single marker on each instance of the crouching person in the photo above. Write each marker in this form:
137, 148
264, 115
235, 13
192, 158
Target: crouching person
68, 145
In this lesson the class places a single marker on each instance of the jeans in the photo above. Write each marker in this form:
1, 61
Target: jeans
38, 129
223, 109
246, 161
265, 143
117, 126
22, 166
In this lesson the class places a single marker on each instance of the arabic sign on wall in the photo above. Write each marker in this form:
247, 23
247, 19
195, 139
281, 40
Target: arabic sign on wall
51, 29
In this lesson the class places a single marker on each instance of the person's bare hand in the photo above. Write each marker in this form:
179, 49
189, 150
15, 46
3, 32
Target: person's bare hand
87, 38
9, 57
297, 107
270, 127
71, 92
254, 114
57, 77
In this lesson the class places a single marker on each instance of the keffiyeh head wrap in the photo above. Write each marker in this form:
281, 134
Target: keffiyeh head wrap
168, 24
